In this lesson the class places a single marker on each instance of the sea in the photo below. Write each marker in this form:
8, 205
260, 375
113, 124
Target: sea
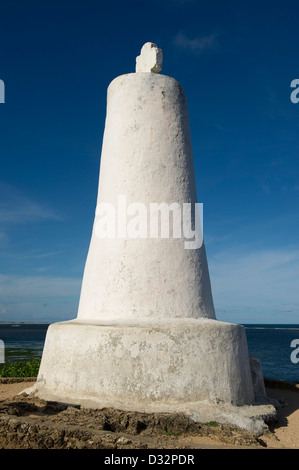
270, 343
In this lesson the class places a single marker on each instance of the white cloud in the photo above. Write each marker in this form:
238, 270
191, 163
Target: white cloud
265, 281
198, 44
37, 286
3, 239
33, 255
16, 207
24, 298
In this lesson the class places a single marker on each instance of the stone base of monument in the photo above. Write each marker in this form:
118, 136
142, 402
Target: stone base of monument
196, 366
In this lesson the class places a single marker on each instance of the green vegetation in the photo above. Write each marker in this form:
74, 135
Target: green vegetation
20, 369
170, 433
212, 423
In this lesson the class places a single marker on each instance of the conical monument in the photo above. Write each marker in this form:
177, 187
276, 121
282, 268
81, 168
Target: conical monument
146, 337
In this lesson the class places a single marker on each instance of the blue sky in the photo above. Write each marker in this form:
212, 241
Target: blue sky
235, 60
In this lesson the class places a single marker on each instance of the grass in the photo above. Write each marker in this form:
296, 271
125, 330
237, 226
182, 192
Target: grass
212, 423
20, 369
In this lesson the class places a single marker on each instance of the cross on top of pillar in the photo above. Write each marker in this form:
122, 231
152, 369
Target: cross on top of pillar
150, 59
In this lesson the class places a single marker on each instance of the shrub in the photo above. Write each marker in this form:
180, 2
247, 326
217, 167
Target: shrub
20, 369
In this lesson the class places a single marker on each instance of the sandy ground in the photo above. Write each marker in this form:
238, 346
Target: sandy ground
286, 432
9, 390
284, 435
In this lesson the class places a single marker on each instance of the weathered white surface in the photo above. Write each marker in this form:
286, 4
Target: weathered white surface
147, 362
199, 367
146, 337
150, 59
146, 156
257, 377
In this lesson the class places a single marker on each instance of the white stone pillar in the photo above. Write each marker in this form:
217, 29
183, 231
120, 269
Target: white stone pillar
146, 158
146, 337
